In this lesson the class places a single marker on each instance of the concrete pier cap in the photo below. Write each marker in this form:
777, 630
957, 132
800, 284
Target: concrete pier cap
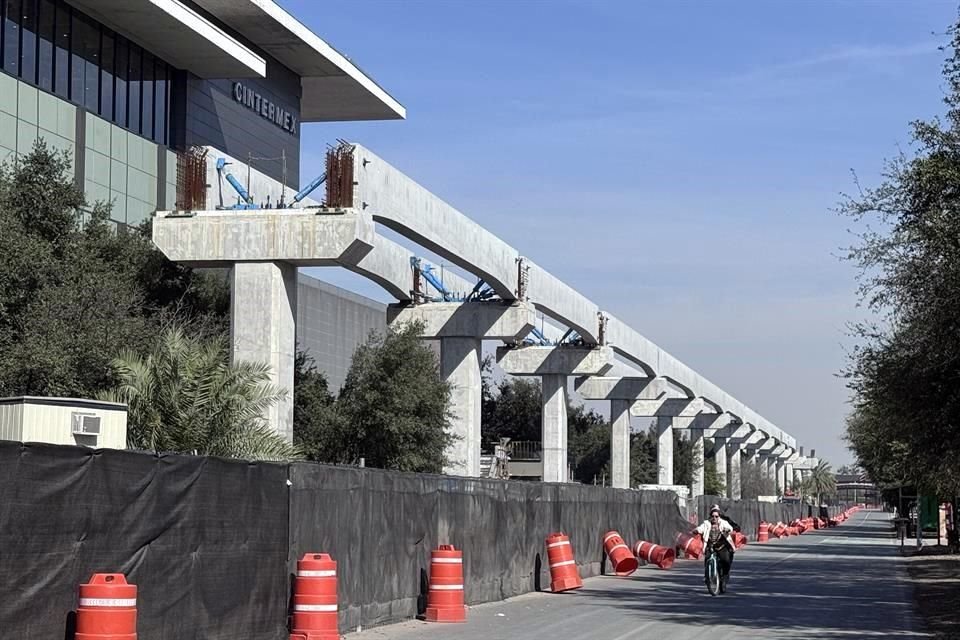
561, 360
318, 238
505, 321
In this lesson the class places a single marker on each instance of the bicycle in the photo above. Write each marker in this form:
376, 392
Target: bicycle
712, 573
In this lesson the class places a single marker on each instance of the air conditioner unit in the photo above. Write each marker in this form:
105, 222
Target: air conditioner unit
85, 424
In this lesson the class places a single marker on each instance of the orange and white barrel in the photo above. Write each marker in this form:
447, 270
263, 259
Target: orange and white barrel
663, 557
107, 609
315, 598
623, 562
445, 599
564, 575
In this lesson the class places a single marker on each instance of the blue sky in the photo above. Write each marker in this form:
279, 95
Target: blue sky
676, 162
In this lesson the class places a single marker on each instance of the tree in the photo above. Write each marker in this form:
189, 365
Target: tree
185, 396
821, 483
753, 482
316, 427
73, 291
393, 408
514, 411
902, 371
712, 484
588, 444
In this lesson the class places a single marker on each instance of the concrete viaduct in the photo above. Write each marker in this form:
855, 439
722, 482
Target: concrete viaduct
609, 360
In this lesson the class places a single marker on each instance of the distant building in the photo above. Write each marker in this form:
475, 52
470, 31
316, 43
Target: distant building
857, 488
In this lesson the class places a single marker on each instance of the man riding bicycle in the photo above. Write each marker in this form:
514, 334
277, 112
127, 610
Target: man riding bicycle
717, 532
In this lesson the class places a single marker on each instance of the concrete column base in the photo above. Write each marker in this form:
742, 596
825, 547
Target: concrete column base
554, 428
696, 487
733, 471
664, 450
620, 443
460, 366
720, 460
263, 312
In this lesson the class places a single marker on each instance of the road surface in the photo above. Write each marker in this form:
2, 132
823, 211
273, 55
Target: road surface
846, 582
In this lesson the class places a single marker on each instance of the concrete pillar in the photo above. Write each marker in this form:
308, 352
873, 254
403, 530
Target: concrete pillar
696, 437
664, 450
781, 476
788, 477
733, 472
460, 366
554, 428
720, 460
263, 312
620, 443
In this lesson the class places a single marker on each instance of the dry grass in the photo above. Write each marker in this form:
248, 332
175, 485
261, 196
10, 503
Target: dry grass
936, 580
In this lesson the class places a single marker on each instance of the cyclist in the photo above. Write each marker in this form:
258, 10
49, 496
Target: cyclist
716, 533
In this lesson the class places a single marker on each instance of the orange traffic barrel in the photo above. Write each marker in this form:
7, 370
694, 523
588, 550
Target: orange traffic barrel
107, 609
739, 540
445, 596
564, 575
763, 532
663, 557
315, 598
779, 530
624, 563
691, 546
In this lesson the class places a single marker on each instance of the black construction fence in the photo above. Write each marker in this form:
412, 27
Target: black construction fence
212, 544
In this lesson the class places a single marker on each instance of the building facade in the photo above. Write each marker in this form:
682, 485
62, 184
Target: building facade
331, 324
140, 92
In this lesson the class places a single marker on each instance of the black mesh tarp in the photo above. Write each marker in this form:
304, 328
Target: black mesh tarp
205, 540
380, 527
212, 544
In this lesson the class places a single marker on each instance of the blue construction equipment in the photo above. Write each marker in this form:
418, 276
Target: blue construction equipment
307, 190
246, 200
481, 291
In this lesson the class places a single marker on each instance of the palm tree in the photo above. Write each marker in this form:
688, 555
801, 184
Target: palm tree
186, 396
821, 481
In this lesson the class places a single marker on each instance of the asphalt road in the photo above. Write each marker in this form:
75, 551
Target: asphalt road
846, 582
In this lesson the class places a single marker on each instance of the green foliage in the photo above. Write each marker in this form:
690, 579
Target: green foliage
821, 483
588, 445
712, 484
514, 411
905, 423
753, 482
316, 427
73, 295
185, 396
392, 410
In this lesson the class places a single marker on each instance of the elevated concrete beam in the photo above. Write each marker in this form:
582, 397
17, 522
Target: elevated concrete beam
478, 320
655, 361
560, 301
564, 361
210, 238
399, 203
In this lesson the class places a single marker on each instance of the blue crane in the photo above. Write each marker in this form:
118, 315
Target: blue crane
481, 291
246, 200
307, 190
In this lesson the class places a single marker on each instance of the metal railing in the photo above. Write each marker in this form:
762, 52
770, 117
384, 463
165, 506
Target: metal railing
525, 449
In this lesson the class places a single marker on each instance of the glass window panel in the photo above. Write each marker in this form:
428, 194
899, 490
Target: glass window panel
133, 89
61, 54
121, 60
81, 35
161, 85
106, 75
28, 41
46, 11
11, 37
147, 89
